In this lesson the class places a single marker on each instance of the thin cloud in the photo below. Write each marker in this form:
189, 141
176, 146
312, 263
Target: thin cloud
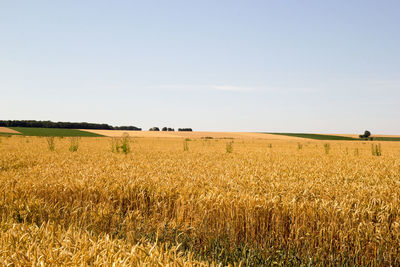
385, 84
198, 87
235, 88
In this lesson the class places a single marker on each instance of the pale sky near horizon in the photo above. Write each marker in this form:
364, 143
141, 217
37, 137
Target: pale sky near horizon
213, 65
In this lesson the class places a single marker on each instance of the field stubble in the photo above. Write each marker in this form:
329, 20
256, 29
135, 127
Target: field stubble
265, 202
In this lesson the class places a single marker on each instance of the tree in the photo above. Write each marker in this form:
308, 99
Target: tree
164, 129
156, 129
366, 135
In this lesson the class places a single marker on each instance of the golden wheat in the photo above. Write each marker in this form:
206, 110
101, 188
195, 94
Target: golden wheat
266, 202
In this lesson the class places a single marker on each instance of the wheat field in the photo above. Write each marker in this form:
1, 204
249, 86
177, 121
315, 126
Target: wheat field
174, 202
195, 135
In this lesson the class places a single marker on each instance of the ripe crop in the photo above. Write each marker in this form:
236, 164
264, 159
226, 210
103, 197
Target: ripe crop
264, 202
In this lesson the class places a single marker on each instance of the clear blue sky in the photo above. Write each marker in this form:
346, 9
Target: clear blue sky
287, 66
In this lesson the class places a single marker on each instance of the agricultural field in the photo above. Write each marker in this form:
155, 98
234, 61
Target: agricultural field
318, 136
8, 131
196, 134
28, 131
342, 137
157, 201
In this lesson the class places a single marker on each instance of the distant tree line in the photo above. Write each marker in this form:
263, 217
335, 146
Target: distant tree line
167, 129
185, 130
64, 125
131, 128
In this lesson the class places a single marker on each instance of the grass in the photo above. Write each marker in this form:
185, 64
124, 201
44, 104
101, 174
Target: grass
53, 132
317, 136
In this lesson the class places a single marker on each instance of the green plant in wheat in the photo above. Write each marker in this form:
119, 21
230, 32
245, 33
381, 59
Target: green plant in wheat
356, 152
229, 147
73, 144
114, 142
299, 146
121, 144
50, 143
125, 146
185, 145
376, 150
327, 148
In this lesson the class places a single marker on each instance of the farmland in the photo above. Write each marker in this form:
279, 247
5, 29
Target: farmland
263, 202
197, 134
8, 131
318, 136
29, 131
338, 137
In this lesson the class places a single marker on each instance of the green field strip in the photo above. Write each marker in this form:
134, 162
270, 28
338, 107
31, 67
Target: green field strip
53, 132
8, 134
318, 136
386, 138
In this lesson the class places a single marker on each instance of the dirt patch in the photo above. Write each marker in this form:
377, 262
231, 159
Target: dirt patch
8, 130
